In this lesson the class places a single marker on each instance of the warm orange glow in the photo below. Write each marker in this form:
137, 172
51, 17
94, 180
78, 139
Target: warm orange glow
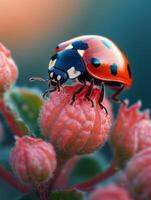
30, 19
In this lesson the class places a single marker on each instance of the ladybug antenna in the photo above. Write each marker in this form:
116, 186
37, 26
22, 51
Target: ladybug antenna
38, 79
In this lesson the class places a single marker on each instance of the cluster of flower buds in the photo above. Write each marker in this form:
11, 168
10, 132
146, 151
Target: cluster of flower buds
72, 129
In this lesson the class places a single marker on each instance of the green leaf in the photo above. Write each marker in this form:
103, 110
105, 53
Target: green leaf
28, 197
87, 167
26, 104
66, 195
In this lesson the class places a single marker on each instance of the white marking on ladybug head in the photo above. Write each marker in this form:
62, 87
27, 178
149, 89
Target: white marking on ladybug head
51, 74
51, 63
69, 47
81, 52
73, 73
58, 77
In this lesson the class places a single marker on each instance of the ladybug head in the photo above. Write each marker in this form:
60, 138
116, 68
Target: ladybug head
67, 64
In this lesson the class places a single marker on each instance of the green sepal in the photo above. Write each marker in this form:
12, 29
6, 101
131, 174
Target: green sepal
25, 105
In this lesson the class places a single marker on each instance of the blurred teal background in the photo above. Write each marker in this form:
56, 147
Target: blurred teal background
33, 28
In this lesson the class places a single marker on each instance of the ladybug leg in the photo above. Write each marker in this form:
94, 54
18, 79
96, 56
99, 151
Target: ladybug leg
101, 98
77, 92
47, 92
89, 92
58, 85
114, 96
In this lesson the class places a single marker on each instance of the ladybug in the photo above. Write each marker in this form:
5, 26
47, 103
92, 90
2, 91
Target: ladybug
91, 58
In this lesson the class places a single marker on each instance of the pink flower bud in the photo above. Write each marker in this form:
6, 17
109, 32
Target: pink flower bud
131, 133
33, 160
111, 192
138, 172
78, 128
8, 70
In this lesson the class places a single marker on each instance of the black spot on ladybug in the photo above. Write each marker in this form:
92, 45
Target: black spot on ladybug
106, 43
113, 68
80, 45
129, 71
95, 62
54, 57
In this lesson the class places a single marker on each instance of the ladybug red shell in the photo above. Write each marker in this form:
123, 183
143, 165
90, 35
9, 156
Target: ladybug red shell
103, 59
